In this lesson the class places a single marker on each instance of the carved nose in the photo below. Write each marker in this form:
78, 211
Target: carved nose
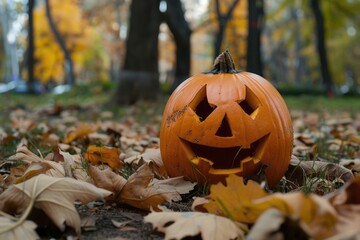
224, 130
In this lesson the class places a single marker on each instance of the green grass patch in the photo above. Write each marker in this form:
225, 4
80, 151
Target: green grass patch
317, 103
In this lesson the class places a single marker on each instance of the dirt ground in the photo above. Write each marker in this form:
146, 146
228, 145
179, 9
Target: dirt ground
135, 228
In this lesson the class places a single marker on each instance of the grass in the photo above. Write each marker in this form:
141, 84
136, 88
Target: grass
319, 103
101, 94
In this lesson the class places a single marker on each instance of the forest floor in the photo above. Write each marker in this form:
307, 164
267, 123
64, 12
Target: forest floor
140, 124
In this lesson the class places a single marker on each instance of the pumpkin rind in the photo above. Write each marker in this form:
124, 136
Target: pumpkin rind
241, 112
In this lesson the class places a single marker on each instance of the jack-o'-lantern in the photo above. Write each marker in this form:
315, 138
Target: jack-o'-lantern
226, 122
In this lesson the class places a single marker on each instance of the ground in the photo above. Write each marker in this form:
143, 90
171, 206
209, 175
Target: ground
140, 122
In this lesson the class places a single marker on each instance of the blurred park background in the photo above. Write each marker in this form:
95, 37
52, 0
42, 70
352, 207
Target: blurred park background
142, 48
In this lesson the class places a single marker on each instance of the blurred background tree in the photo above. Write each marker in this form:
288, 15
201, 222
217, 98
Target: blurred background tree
277, 39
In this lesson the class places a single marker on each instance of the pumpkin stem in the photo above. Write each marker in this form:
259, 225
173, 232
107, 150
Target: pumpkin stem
224, 64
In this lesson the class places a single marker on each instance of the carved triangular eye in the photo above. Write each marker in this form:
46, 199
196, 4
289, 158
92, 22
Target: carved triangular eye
224, 129
250, 104
200, 105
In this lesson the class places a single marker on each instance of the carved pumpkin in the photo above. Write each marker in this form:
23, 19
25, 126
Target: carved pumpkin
226, 122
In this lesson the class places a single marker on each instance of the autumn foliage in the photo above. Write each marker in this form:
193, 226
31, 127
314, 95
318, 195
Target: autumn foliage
59, 166
81, 39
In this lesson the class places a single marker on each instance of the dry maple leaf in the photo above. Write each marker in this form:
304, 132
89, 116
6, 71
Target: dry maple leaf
103, 154
143, 191
246, 203
11, 229
82, 130
24, 154
232, 200
108, 180
34, 169
346, 201
273, 225
178, 225
316, 212
152, 157
54, 196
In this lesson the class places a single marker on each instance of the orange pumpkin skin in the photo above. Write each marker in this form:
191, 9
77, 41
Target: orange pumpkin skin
227, 123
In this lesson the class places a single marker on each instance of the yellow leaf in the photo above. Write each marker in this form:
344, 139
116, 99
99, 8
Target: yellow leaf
100, 155
82, 130
233, 199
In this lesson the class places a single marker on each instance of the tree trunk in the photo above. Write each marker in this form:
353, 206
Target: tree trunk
222, 21
30, 55
69, 67
139, 77
255, 22
175, 19
321, 49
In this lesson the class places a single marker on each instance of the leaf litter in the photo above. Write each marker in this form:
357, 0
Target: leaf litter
118, 161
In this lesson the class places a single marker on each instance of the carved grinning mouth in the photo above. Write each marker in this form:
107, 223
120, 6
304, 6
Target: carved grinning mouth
230, 157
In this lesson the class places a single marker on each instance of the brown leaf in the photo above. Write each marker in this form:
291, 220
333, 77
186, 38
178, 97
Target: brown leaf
108, 180
34, 169
152, 157
346, 201
178, 225
24, 154
352, 164
299, 171
143, 191
54, 196
101, 155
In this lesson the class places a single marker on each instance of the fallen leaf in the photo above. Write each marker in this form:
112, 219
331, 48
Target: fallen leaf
273, 225
108, 180
346, 201
120, 224
152, 157
305, 173
232, 200
12, 228
178, 225
54, 196
143, 191
24, 154
246, 203
314, 211
22, 125
34, 169
88, 223
103, 154
352, 164
82, 130
198, 204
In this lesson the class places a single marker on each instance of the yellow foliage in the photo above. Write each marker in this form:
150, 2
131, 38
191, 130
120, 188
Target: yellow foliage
76, 31
236, 29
